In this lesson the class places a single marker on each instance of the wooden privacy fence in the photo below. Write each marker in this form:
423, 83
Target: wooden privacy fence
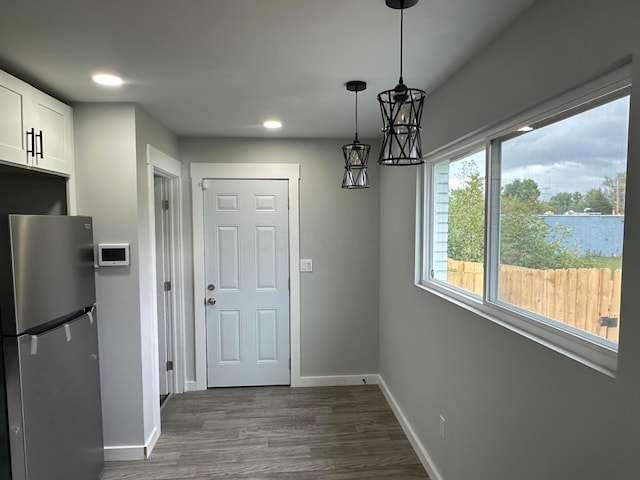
586, 298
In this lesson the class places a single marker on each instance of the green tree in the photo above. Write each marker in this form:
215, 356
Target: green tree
526, 240
466, 217
615, 189
564, 201
526, 190
595, 201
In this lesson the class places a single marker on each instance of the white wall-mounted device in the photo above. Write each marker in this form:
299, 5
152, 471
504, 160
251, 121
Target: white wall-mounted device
113, 254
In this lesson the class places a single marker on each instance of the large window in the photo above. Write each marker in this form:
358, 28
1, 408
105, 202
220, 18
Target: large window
524, 223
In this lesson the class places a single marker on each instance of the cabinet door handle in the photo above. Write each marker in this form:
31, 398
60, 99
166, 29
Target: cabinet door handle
41, 152
31, 142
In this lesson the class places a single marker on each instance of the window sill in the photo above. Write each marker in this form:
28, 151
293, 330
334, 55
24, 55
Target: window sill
593, 355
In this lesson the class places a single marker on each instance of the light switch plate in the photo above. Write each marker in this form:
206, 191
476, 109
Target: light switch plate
306, 265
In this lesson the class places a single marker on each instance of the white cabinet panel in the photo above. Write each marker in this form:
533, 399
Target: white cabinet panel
12, 123
54, 137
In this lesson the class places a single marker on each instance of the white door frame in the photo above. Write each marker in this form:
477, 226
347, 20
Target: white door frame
159, 163
250, 171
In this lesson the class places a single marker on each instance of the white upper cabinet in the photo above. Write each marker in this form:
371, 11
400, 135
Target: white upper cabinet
13, 145
35, 129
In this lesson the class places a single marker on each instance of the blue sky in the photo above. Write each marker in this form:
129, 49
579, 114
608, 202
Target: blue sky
572, 155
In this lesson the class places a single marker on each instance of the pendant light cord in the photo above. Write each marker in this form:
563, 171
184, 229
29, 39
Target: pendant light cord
401, 30
356, 137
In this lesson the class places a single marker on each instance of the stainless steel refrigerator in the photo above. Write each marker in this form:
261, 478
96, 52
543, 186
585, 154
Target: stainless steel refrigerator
51, 421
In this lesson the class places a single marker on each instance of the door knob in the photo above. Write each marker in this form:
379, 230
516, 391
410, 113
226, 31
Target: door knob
211, 301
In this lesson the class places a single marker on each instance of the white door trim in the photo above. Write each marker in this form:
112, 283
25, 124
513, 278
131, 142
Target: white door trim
273, 171
159, 163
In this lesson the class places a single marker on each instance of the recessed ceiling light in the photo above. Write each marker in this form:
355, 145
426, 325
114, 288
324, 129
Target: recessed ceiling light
107, 79
272, 124
525, 129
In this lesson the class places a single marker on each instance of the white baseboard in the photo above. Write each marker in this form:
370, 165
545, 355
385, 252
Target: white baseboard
124, 453
190, 386
320, 381
422, 453
151, 441
335, 380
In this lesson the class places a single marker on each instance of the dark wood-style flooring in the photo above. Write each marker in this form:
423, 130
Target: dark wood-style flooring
277, 433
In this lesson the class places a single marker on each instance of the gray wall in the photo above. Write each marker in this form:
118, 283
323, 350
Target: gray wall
338, 230
110, 152
514, 409
24, 191
106, 189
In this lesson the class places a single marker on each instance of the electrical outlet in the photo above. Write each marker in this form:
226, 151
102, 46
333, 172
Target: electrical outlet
443, 430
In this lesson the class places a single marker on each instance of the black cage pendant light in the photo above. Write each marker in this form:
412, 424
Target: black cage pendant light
356, 154
401, 110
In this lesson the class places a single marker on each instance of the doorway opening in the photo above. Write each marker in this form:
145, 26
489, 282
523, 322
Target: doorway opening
167, 297
227, 323
164, 280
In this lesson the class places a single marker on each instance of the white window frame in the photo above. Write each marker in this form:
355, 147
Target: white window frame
427, 238
586, 348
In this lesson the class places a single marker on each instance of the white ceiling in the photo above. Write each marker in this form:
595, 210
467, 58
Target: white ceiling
214, 68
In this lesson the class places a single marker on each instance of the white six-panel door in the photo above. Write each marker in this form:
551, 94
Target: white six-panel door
246, 282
